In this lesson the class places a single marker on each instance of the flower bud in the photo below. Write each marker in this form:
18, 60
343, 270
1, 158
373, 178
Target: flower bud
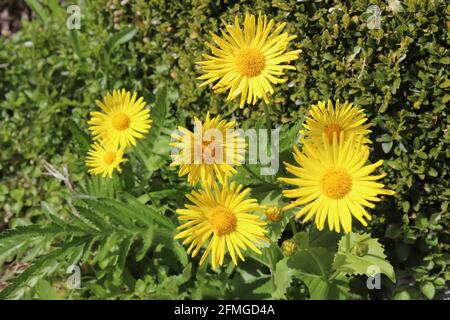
273, 214
360, 249
289, 247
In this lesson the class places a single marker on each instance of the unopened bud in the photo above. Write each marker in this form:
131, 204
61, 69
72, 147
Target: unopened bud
361, 249
289, 247
274, 214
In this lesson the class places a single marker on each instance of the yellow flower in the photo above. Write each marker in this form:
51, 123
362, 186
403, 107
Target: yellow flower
212, 150
122, 121
247, 62
333, 181
221, 218
104, 159
342, 118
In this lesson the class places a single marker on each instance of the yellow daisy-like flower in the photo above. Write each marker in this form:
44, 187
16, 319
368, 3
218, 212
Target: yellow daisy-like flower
103, 159
122, 121
341, 118
212, 150
248, 61
333, 182
221, 218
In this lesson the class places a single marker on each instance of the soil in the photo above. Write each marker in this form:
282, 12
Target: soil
11, 14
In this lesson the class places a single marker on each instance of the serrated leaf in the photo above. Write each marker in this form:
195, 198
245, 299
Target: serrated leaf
349, 261
144, 213
313, 267
147, 240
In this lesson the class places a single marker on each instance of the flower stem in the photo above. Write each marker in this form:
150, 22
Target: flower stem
267, 113
347, 242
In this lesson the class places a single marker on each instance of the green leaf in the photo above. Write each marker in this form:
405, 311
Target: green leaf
154, 150
289, 136
387, 146
45, 291
323, 238
76, 42
39, 269
112, 209
80, 137
38, 10
270, 255
360, 254
120, 37
313, 267
145, 213
89, 219
428, 290
123, 249
147, 240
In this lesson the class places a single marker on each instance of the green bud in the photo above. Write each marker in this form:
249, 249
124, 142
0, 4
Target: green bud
360, 249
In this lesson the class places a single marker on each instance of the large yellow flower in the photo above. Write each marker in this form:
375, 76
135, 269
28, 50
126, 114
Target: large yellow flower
212, 150
221, 218
122, 121
333, 181
104, 159
247, 62
341, 118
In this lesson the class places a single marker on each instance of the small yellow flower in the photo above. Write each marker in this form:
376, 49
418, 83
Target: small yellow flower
221, 218
333, 181
248, 61
123, 120
273, 214
212, 150
334, 120
104, 159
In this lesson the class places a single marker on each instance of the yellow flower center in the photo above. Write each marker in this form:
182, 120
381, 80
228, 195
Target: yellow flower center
120, 121
336, 183
109, 157
250, 62
223, 220
331, 129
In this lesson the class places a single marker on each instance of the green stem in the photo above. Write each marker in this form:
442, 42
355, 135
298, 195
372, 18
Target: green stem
334, 275
347, 242
267, 113
258, 177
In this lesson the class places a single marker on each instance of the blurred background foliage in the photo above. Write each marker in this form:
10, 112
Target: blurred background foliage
399, 73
